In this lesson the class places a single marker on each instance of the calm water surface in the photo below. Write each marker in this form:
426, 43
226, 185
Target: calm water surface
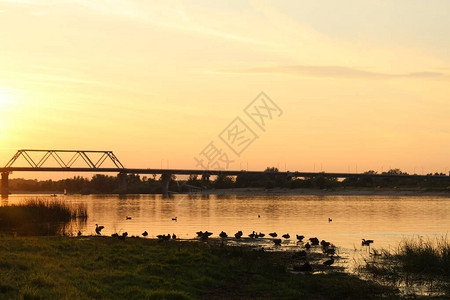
385, 219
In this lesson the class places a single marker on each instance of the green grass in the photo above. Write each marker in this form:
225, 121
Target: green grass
107, 268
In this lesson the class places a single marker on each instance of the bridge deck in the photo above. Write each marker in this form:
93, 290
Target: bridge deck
217, 172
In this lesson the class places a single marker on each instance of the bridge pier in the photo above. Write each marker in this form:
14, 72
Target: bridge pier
5, 185
123, 183
165, 181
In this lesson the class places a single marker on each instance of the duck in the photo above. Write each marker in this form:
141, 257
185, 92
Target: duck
238, 234
252, 235
325, 244
98, 229
329, 220
145, 233
115, 235
175, 219
314, 241
300, 237
286, 236
273, 234
206, 235
307, 246
174, 237
223, 235
366, 242
199, 233
79, 233
261, 235
329, 262
128, 218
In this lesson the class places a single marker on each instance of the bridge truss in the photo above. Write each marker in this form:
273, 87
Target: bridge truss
56, 155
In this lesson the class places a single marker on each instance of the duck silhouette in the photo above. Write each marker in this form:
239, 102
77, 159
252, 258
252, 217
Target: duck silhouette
329, 262
307, 246
223, 235
273, 234
286, 236
366, 242
314, 241
98, 229
238, 234
325, 244
300, 237
145, 233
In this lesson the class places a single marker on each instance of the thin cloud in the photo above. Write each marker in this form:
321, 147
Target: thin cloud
335, 72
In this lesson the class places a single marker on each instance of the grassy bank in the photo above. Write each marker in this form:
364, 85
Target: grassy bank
106, 268
38, 217
416, 262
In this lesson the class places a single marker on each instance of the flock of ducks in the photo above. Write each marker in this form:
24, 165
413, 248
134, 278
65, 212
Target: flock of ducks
327, 248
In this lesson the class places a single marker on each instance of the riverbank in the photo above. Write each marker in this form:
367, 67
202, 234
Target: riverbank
136, 268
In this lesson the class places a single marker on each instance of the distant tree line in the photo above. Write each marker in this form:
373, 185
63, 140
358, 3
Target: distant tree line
135, 184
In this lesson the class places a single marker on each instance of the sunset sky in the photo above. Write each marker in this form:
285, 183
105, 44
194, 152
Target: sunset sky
365, 85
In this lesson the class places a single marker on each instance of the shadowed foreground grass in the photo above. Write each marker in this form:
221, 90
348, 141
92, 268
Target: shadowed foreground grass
106, 268
417, 262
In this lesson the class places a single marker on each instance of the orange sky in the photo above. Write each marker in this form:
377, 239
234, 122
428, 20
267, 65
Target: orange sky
362, 86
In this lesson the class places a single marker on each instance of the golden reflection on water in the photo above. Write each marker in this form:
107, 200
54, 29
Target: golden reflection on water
385, 219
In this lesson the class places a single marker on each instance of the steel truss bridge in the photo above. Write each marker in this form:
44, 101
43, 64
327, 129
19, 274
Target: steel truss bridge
95, 165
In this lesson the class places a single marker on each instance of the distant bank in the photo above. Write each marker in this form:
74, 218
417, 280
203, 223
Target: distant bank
300, 191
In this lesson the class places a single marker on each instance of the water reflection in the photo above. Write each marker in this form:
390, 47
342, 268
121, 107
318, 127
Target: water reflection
385, 219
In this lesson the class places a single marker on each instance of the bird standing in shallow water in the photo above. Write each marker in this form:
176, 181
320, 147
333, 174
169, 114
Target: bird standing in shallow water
223, 234
238, 235
174, 237
145, 233
366, 242
79, 233
300, 237
98, 229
